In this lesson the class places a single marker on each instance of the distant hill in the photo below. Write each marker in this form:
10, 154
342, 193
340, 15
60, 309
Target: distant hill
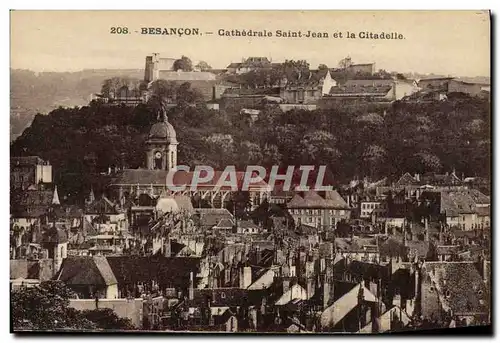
475, 79
32, 93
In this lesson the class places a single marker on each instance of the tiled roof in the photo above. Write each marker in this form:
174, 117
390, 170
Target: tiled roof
478, 197
361, 89
392, 247
225, 223
368, 270
173, 271
440, 179
252, 91
219, 297
212, 218
311, 199
459, 285
18, 269
447, 249
101, 205
454, 203
418, 248
68, 212
355, 245
406, 180
483, 211
311, 78
369, 83
86, 270
234, 65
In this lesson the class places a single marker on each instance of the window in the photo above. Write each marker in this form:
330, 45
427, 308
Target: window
447, 293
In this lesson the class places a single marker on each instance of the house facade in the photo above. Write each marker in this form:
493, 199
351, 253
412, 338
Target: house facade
319, 209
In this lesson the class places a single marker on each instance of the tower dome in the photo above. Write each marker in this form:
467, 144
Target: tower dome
163, 129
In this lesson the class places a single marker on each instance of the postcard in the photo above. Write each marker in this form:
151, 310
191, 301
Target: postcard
286, 172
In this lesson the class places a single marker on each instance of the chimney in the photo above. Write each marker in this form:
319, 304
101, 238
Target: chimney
327, 291
426, 223
404, 234
191, 286
245, 277
485, 272
310, 287
167, 249
322, 265
286, 285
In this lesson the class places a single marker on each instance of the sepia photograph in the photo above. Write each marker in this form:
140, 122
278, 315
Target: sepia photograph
250, 172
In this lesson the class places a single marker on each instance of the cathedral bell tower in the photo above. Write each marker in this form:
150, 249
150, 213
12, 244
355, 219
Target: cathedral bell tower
161, 146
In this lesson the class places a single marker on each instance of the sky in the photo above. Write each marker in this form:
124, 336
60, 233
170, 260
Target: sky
440, 42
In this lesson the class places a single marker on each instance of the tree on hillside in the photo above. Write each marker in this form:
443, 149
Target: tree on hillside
375, 158
291, 68
110, 87
427, 162
345, 63
322, 67
317, 147
185, 94
184, 64
203, 66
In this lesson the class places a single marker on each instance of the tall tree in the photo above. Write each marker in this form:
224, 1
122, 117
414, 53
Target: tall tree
184, 64
203, 66
322, 67
345, 63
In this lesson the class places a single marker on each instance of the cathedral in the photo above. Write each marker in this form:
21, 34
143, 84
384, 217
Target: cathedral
128, 185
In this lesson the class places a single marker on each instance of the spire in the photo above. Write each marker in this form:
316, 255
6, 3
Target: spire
55, 197
162, 113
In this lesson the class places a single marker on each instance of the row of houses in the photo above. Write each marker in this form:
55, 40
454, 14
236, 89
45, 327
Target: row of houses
316, 88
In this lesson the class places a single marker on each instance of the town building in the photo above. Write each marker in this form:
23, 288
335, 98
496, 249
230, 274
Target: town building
249, 64
28, 172
322, 210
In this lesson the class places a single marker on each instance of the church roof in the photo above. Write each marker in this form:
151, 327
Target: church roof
159, 177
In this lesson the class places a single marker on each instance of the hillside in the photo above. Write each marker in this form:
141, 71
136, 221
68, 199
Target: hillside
32, 93
353, 142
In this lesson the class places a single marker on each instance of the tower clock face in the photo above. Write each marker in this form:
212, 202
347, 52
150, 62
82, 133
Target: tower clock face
158, 155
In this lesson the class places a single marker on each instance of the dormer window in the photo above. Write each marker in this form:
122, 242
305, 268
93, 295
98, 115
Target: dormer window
447, 294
